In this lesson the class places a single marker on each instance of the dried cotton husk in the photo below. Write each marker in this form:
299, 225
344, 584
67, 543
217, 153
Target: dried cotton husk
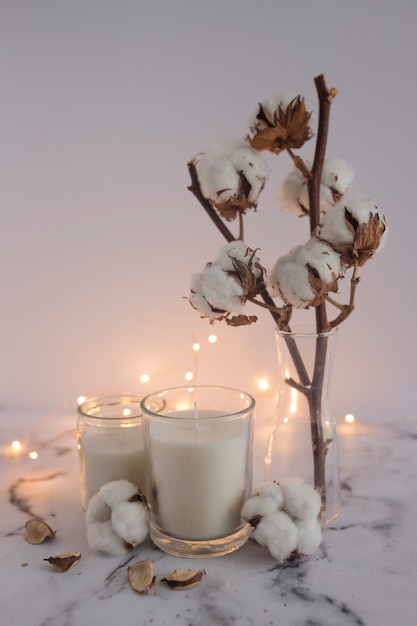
141, 577
184, 578
37, 531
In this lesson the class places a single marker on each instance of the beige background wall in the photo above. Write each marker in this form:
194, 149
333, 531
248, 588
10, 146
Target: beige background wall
103, 103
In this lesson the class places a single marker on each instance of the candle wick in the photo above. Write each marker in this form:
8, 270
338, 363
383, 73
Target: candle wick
196, 416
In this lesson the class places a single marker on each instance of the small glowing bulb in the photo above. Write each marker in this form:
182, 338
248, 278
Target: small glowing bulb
196, 347
33, 455
81, 399
285, 420
263, 384
144, 378
126, 412
213, 338
349, 418
188, 375
16, 446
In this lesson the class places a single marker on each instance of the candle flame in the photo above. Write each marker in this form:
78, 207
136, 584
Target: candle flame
33, 455
349, 418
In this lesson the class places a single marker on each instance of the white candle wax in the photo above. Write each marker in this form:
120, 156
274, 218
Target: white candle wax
198, 474
107, 456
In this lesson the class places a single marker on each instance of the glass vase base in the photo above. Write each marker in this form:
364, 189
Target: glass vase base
194, 549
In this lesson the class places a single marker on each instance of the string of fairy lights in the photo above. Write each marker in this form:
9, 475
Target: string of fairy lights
23, 447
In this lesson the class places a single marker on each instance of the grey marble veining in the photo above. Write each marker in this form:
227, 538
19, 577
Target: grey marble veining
364, 573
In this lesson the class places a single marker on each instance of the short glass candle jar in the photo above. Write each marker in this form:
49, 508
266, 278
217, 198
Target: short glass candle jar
198, 443
110, 442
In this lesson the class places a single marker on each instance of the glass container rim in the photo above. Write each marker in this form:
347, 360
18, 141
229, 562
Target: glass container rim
94, 401
306, 330
227, 414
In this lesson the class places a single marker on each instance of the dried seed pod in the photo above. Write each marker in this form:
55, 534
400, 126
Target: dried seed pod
37, 531
141, 577
184, 578
64, 562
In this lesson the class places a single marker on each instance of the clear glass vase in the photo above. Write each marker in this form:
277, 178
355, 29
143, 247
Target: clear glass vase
303, 439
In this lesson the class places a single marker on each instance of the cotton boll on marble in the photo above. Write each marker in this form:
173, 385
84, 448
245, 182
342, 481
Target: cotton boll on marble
278, 533
301, 501
117, 518
130, 521
309, 536
266, 499
117, 491
102, 537
270, 490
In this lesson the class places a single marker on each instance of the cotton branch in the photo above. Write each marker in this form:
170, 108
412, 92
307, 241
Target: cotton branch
326, 97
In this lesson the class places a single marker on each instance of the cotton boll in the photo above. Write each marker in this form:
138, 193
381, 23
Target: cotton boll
218, 178
337, 174
357, 228
117, 515
102, 537
309, 536
270, 490
293, 193
278, 533
242, 252
221, 289
116, 491
334, 228
197, 299
292, 281
253, 167
301, 501
97, 510
280, 100
130, 520
220, 168
322, 257
259, 506
362, 207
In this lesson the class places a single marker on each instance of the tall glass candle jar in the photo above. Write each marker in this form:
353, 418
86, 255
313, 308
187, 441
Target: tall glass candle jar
110, 442
198, 443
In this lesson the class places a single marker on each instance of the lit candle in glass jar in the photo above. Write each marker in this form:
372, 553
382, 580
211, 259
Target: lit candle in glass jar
199, 468
110, 443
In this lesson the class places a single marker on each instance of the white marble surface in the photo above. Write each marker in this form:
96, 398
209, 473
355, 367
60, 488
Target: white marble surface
364, 574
